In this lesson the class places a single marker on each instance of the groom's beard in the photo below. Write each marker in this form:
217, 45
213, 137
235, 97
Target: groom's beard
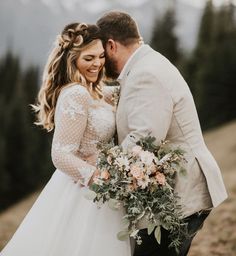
110, 68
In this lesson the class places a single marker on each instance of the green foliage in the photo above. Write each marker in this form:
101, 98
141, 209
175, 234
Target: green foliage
164, 39
24, 150
211, 70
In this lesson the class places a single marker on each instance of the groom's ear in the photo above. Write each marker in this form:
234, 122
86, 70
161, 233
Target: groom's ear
111, 46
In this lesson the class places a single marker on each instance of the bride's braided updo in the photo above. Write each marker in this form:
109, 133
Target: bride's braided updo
61, 70
74, 37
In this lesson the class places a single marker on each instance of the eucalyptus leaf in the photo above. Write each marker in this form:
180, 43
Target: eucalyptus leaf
166, 226
183, 171
125, 222
157, 234
123, 235
150, 228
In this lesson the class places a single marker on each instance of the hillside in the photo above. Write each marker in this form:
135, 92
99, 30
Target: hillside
218, 238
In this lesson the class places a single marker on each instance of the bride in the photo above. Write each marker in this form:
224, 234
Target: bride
62, 222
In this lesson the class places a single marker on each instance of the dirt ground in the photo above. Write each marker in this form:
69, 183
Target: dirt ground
218, 236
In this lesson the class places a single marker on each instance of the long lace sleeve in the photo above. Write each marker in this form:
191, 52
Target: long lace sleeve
70, 123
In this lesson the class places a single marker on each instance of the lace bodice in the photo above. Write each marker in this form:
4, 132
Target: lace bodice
80, 122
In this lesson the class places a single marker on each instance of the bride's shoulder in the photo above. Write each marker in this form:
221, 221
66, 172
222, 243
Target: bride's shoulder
74, 94
74, 91
74, 88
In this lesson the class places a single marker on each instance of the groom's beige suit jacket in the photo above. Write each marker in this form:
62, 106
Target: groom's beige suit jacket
155, 98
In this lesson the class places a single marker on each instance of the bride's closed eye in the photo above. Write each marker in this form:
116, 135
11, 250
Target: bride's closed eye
91, 57
88, 58
102, 55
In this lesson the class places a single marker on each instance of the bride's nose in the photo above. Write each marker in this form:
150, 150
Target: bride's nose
97, 63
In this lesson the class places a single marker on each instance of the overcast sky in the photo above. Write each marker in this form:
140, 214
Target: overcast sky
201, 3
101, 3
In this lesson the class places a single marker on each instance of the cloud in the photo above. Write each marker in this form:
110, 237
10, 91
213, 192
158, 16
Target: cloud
95, 6
69, 4
133, 3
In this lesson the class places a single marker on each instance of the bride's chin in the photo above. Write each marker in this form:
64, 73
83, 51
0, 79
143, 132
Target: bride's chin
92, 80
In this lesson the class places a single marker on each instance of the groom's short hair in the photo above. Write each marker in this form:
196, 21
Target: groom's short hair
119, 26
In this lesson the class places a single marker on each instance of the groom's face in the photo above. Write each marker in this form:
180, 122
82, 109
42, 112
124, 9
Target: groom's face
110, 64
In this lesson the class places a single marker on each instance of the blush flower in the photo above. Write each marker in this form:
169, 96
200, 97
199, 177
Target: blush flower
122, 161
133, 185
105, 175
146, 157
160, 178
143, 183
136, 150
136, 171
152, 169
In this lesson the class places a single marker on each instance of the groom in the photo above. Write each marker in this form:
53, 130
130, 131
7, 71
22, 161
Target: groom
155, 98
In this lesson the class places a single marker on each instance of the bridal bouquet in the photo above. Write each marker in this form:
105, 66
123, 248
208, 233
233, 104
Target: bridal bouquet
142, 182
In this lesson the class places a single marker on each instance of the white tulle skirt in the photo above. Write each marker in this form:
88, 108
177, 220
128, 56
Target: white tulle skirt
62, 222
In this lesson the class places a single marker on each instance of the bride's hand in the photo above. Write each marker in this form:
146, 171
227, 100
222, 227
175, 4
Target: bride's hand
92, 159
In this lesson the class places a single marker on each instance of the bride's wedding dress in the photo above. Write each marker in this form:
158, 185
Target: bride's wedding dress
62, 222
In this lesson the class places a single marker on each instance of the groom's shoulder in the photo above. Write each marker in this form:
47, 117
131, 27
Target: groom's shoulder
157, 68
151, 58
152, 61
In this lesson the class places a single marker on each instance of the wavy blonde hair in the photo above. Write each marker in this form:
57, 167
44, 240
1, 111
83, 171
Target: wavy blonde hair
61, 70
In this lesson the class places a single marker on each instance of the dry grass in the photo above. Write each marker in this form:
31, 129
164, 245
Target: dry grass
217, 238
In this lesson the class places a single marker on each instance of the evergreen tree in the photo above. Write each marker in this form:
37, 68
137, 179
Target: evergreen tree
196, 64
16, 137
164, 39
211, 69
9, 73
24, 149
38, 142
217, 101
4, 175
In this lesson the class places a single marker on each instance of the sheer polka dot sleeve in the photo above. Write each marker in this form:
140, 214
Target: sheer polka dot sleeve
71, 118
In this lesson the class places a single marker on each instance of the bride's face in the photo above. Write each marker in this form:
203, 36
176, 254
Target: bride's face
91, 60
